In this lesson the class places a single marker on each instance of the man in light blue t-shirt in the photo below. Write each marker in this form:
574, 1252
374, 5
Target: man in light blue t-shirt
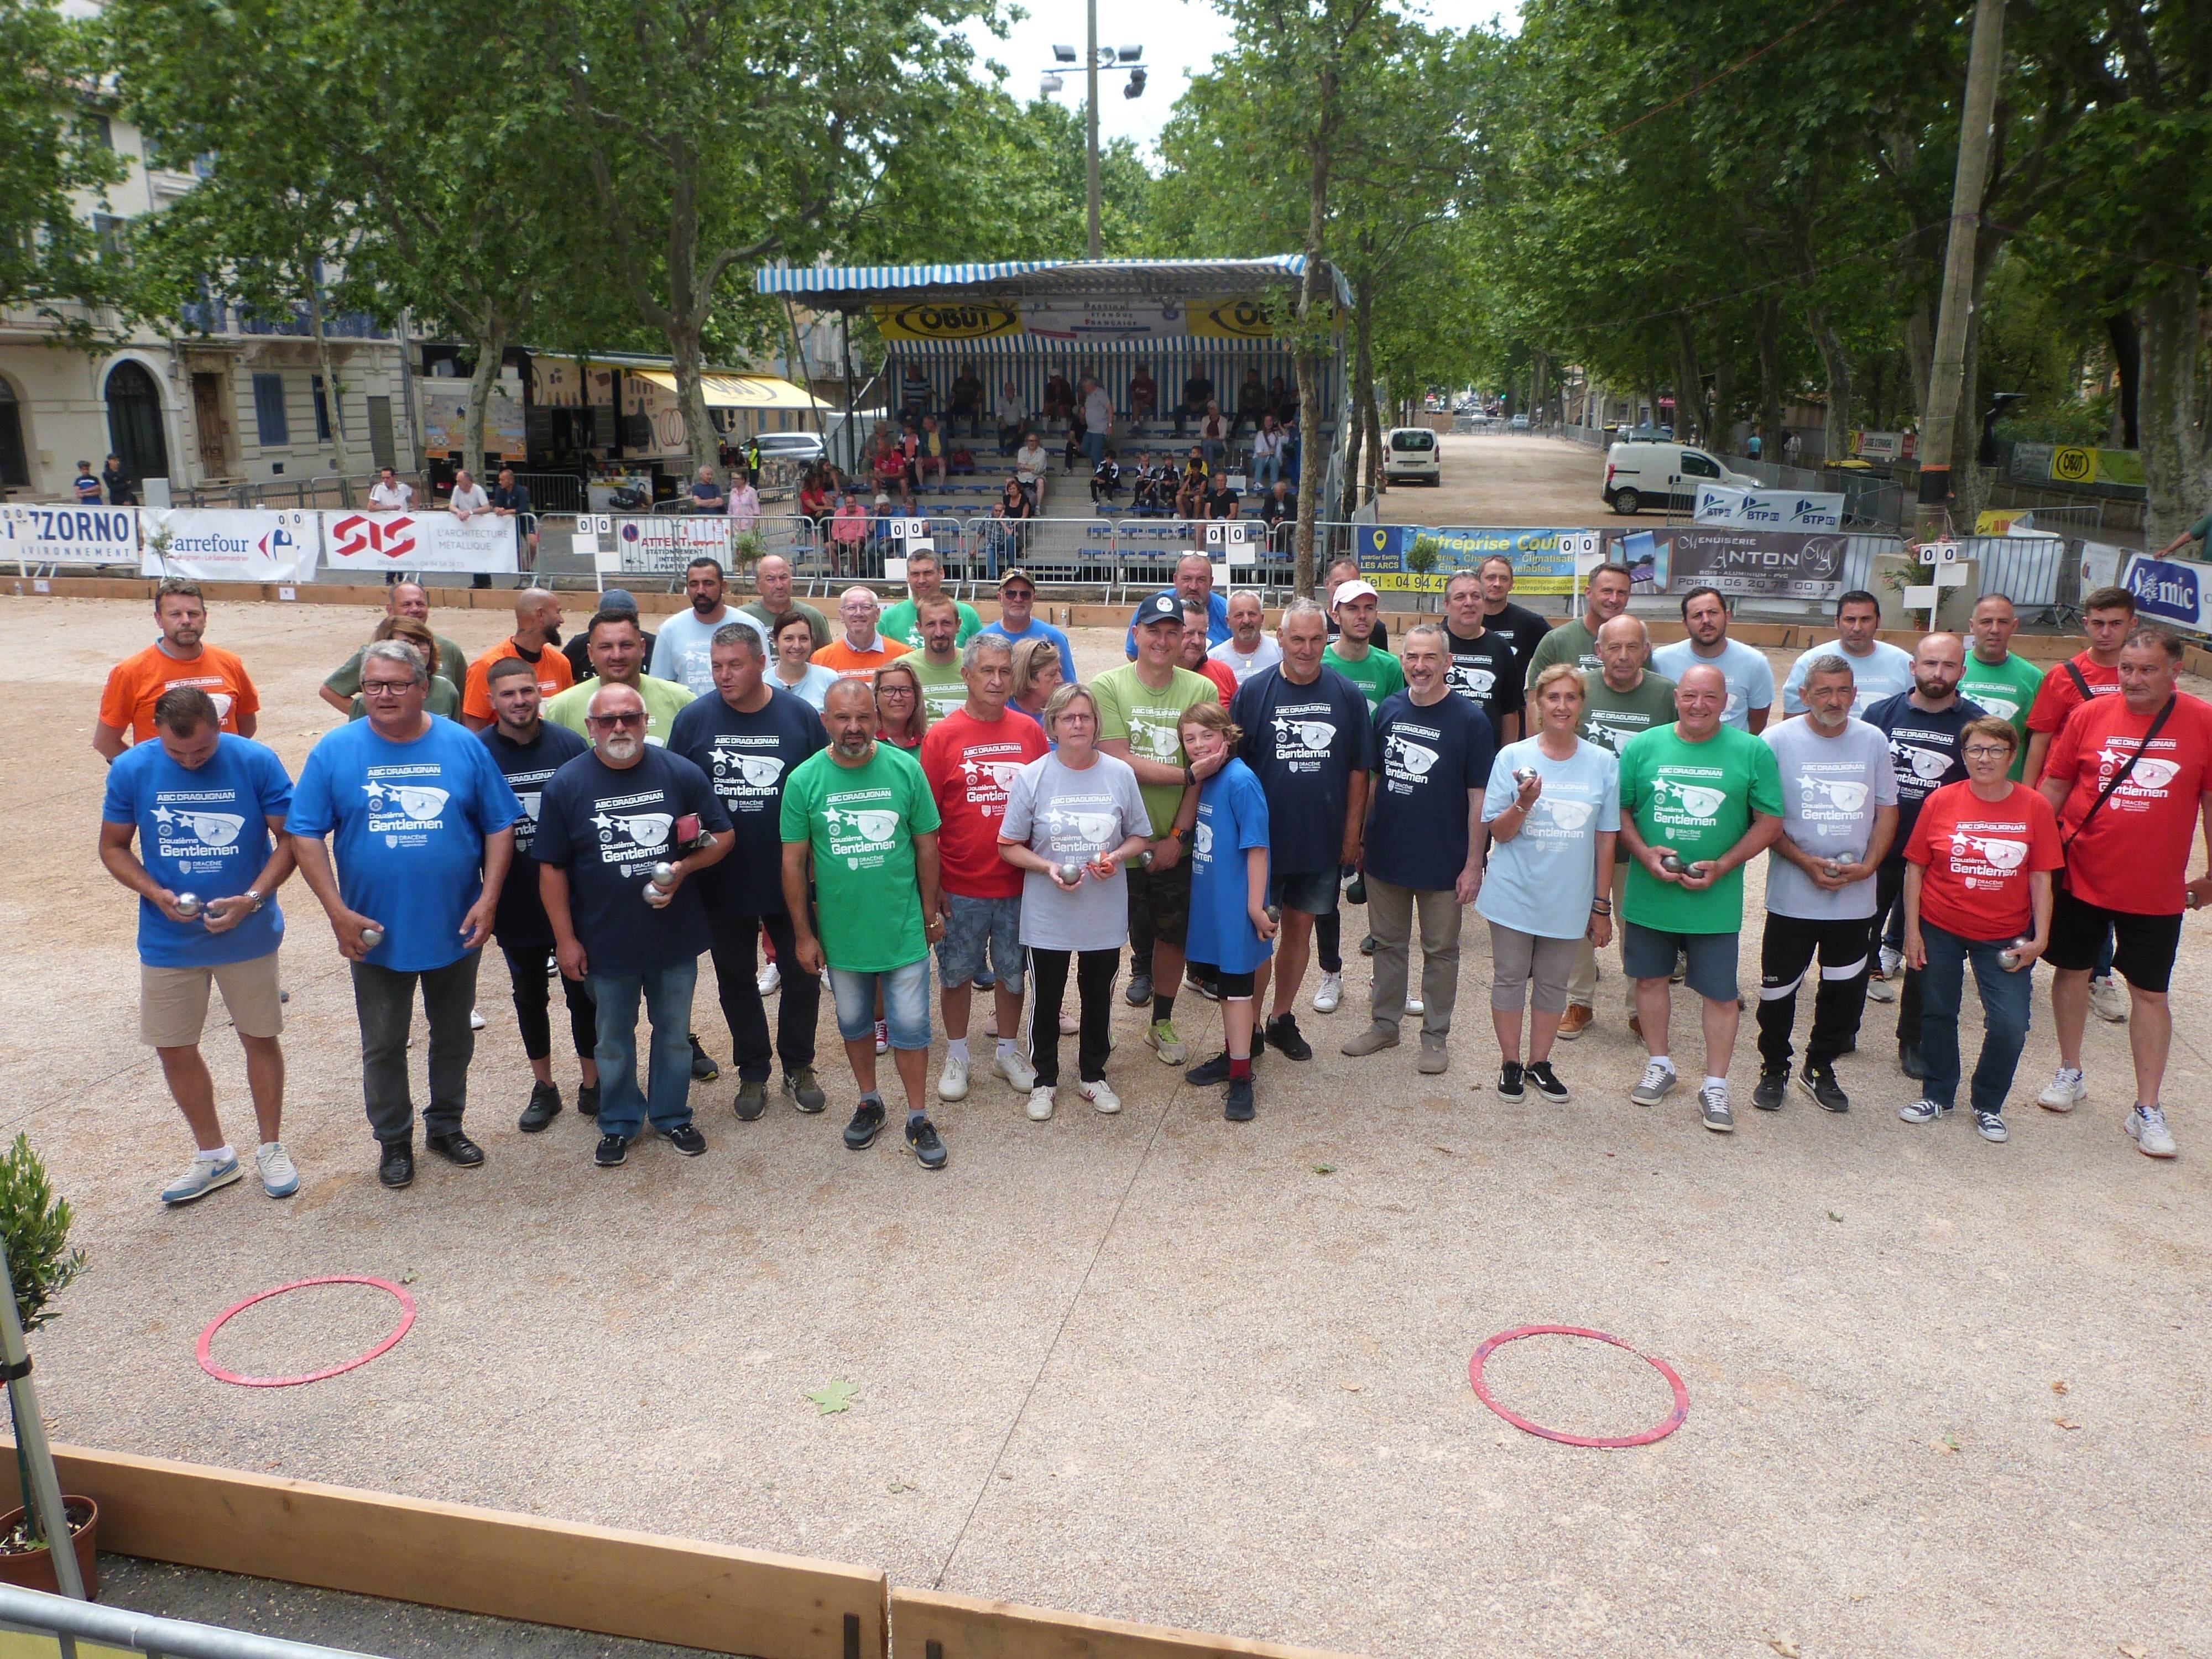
423, 823
1016, 595
1750, 678
683, 649
207, 812
1194, 579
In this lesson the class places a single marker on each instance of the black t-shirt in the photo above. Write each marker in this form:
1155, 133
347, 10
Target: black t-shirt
579, 657
1303, 743
1221, 503
608, 827
1489, 674
1197, 391
747, 758
1521, 625
1923, 752
528, 768
1431, 758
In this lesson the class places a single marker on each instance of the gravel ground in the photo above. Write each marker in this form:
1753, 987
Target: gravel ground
1520, 483
1945, 1397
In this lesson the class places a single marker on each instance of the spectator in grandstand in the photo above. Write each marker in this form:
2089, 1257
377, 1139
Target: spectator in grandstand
931, 454
1098, 421
848, 535
1251, 403
966, 401
1144, 398
888, 468
1058, 398
1267, 451
404, 598
814, 502
914, 392
1106, 482
1278, 511
1190, 486
1012, 416
1197, 396
1283, 403
1029, 464
1220, 500
1213, 435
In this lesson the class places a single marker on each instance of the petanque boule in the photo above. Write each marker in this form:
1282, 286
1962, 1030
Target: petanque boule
2010, 957
662, 884
188, 906
1070, 874
1671, 862
371, 938
1523, 775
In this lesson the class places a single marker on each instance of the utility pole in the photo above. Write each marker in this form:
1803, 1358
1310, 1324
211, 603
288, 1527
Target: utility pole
1090, 122
1946, 377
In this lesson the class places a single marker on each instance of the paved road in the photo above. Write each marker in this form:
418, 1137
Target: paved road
1516, 482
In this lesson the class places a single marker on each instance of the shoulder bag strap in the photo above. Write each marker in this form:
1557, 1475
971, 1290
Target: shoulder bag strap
2120, 776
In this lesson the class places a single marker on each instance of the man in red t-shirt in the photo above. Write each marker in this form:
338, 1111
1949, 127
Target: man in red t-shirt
1194, 657
2106, 616
2127, 860
969, 757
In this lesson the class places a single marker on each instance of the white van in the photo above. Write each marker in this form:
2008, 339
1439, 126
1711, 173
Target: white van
1410, 453
1664, 475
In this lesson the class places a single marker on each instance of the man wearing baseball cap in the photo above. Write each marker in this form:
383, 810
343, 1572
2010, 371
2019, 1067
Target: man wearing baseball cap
1017, 620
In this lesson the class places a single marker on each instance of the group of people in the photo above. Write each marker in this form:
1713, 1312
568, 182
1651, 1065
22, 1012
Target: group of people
914, 782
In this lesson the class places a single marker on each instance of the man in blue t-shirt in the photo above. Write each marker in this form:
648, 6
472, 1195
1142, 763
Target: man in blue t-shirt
620, 832
1194, 579
207, 810
424, 831
1017, 596
747, 736
528, 750
1310, 741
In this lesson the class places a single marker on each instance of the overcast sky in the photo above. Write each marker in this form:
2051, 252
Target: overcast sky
1179, 37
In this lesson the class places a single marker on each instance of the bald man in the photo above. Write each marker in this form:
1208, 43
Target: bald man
400, 599
537, 634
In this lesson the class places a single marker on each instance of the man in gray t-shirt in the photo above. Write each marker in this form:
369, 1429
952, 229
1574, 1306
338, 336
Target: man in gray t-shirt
1839, 815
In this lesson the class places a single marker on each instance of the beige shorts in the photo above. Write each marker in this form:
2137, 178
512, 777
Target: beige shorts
173, 1002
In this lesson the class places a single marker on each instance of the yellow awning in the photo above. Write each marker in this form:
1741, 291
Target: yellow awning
740, 390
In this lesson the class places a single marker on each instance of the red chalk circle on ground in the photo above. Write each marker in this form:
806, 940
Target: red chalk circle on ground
207, 1337
1607, 1442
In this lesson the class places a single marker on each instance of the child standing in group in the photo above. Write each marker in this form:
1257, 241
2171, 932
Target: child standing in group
1230, 929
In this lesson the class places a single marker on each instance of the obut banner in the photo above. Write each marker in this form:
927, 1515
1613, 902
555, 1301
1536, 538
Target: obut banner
483, 543
31, 534
1750, 563
239, 544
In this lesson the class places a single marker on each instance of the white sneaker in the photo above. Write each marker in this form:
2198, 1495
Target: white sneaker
477, 1022
1328, 994
952, 1081
1415, 1006
1017, 1070
2067, 1088
882, 1038
201, 1177
1656, 1084
1102, 1098
1040, 1107
2108, 1000
770, 980
1892, 960
991, 1022
2151, 1138
280, 1178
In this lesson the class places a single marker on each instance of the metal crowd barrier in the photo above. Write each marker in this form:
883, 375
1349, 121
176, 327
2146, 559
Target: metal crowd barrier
69, 1622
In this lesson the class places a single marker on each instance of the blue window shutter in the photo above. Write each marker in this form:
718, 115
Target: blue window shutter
269, 410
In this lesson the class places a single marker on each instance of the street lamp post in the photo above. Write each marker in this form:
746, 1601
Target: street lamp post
1128, 58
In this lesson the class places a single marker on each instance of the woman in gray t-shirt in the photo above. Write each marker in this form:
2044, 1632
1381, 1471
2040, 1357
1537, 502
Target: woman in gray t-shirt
1073, 812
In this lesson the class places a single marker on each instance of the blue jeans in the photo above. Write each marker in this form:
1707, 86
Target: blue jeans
1266, 470
906, 1005
667, 994
1094, 447
2006, 1000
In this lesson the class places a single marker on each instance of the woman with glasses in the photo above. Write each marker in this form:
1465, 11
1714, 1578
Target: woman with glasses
901, 713
1037, 676
442, 699
1978, 888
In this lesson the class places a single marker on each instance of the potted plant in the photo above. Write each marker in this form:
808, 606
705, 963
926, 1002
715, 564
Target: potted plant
1422, 559
34, 1227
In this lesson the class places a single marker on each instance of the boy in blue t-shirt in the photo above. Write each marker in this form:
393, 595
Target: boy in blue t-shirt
207, 812
1228, 935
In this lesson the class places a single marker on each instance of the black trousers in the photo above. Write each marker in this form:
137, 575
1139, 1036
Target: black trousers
533, 997
1889, 894
1094, 989
1785, 953
736, 941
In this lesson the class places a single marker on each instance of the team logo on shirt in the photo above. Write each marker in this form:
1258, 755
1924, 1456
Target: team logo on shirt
1000, 774
2150, 777
1676, 805
1160, 742
2003, 708
1569, 816
1845, 795
416, 801
405, 813
1470, 682
733, 768
1090, 828
627, 835
1402, 757
1915, 764
860, 835
1202, 843
210, 831
1973, 854
1304, 735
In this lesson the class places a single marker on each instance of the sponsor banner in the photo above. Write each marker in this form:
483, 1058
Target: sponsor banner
1074, 319
2172, 591
946, 320
1539, 565
238, 545
1882, 446
1242, 317
31, 534
1769, 509
653, 546
2075, 464
1740, 563
384, 541
444, 405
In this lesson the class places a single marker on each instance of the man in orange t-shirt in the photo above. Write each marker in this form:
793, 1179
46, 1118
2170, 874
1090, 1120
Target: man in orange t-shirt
863, 650
178, 657
537, 633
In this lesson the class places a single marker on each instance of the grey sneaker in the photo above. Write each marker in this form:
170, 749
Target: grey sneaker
1713, 1107
202, 1177
801, 1089
1654, 1086
752, 1099
279, 1177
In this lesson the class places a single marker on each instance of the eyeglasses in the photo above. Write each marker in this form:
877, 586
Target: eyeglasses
894, 690
386, 688
638, 719
1987, 751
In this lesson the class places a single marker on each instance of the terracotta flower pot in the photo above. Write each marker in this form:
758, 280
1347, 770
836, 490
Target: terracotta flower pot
34, 1569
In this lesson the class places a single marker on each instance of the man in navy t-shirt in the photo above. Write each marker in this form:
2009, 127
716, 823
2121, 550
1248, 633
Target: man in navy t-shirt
528, 750
424, 833
611, 824
1309, 740
207, 810
747, 736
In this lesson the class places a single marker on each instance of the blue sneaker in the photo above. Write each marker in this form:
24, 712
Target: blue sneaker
280, 1178
202, 1178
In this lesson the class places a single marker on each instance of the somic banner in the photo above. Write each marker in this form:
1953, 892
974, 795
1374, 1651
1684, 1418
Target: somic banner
383, 542
1747, 563
32, 535
226, 544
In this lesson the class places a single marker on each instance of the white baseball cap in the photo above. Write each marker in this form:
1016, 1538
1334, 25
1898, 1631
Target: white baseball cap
1347, 592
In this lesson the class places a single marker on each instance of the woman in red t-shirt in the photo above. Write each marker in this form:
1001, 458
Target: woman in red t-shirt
1978, 888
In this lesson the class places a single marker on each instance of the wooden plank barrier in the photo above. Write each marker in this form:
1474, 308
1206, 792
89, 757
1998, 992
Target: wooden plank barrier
926, 1625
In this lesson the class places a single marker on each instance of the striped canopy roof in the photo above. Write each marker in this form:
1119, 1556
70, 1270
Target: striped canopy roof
853, 286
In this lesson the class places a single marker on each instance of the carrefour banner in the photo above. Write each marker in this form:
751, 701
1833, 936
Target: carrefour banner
236, 545
1539, 565
31, 535
384, 541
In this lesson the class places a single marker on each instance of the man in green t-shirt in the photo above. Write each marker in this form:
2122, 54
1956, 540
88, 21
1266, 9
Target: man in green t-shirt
903, 622
1140, 707
938, 661
615, 644
772, 579
1576, 640
1356, 651
2194, 538
2004, 683
400, 599
859, 816
1698, 800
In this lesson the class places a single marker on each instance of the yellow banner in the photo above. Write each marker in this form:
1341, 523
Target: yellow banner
1405, 582
952, 319
1240, 317
2070, 463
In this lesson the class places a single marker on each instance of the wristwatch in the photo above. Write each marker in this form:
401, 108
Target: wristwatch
258, 897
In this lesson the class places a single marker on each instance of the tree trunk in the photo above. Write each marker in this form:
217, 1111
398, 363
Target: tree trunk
1309, 299
333, 393
490, 349
1771, 438
2127, 358
1363, 388
1920, 350
1720, 419
1372, 417
2175, 425
1836, 363
1690, 423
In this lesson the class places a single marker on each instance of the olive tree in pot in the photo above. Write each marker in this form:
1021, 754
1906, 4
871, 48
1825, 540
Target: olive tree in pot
35, 1228
1421, 559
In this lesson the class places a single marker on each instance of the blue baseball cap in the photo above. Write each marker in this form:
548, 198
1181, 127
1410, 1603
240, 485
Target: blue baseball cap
1161, 607
618, 598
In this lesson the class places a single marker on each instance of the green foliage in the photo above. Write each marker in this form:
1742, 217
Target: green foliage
52, 148
34, 1226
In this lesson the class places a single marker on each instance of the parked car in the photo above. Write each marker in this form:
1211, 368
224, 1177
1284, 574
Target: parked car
804, 448
1520, 423
1640, 474
1409, 453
